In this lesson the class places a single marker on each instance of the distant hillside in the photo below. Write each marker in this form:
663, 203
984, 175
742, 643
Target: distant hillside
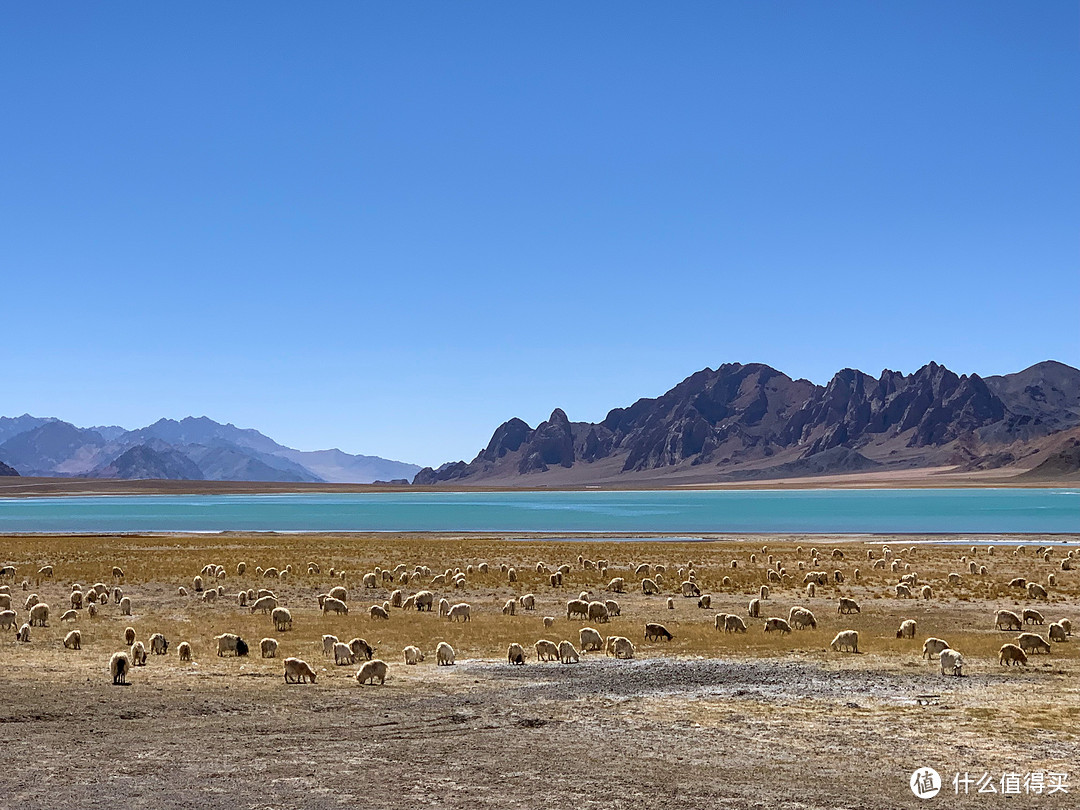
753, 422
188, 449
6, 470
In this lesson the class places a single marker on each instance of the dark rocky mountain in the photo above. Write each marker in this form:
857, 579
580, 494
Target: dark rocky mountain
752, 421
143, 462
6, 470
188, 449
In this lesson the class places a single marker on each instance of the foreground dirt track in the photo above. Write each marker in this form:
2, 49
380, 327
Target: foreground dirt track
706, 720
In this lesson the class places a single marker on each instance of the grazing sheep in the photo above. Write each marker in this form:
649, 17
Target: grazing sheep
846, 640
657, 632
231, 643
754, 609
705, 602
1010, 654
69, 616
927, 592
1032, 642
952, 663
298, 671
343, 655
361, 650
577, 607
549, 621
777, 624
515, 654
1036, 591
555, 580
1018, 582
413, 655
268, 647
267, 604
138, 654
23, 634
129, 636
734, 624
907, 629
546, 650
1007, 620
282, 619
903, 591
811, 590
119, 665
338, 592
379, 612
185, 651
328, 642
511, 575
590, 639
619, 646
763, 592
73, 640
1033, 617
197, 584
370, 670
461, 611
649, 587
617, 585
567, 653
932, 648
425, 600
8, 619
1057, 633
689, 589
800, 617
527, 602
510, 608
159, 645
331, 605
444, 655
598, 612
409, 603
39, 615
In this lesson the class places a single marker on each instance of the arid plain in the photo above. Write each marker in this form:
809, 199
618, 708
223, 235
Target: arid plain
707, 719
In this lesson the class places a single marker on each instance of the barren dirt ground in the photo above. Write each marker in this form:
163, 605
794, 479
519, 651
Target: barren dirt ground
706, 720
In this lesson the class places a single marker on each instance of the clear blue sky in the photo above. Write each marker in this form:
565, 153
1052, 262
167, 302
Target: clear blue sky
389, 227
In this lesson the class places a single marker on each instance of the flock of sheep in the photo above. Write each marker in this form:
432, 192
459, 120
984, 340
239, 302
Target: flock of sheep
652, 580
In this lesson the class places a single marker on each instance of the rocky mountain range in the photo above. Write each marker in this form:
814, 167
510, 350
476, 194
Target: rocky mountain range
189, 449
741, 422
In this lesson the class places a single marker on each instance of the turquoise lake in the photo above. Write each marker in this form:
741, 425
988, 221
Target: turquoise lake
983, 511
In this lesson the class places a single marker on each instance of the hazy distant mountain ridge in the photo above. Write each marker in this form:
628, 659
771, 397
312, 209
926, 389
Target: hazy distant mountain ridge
194, 448
752, 421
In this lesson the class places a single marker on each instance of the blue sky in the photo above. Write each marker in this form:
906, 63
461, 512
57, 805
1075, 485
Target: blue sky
389, 227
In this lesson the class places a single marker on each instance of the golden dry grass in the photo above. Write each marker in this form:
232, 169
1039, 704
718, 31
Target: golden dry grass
156, 566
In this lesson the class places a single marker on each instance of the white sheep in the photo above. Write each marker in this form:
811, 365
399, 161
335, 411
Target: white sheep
567, 653
343, 654
282, 619
598, 612
846, 640
619, 646
546, 650
413, 655
777, 624
515, 654
800, 617
266, 604
461, 611
371, 670
328, 643
444, 608
231, 643
1057, 632
549, 621
331, 605
184, 649
932, 648
649, 587
73, 640
590, 639
138, 654
39, 615
159, 645
298, 671
268, 648
1007, 620
907, 629
378, 612
952, 663
527, 602
119, 665
444, 655
361, 650
425, 600
1034, 643
1033, 617
69, 616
